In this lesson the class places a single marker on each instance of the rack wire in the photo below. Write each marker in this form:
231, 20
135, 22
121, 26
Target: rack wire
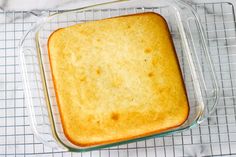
216, 136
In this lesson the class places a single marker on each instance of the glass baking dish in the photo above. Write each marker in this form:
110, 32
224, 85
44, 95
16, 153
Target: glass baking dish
189, 41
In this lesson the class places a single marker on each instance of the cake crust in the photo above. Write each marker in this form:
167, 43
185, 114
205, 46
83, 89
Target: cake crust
117, 79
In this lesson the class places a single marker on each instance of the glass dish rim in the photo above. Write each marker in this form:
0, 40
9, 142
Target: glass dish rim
45, 89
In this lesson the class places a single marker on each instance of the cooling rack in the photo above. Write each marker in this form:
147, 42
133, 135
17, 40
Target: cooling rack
215, 136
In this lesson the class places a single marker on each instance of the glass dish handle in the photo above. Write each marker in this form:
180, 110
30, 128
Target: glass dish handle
188, 19
207, 110
25, 52
27, 92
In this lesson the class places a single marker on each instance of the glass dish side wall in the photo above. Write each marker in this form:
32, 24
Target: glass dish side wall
190, 49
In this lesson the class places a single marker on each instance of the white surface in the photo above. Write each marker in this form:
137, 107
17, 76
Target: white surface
214, 137
31, 4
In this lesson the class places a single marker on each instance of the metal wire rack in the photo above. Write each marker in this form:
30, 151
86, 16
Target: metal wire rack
216, 136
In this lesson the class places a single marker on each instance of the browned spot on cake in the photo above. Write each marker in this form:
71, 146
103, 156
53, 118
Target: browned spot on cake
128, 26
150, 74
98, 71
114, 116
83, 78
148, 50
98, 122
98, 40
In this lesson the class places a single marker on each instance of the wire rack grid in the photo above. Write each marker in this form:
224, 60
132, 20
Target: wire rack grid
216, 136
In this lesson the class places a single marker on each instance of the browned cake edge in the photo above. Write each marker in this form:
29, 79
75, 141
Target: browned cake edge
121, 139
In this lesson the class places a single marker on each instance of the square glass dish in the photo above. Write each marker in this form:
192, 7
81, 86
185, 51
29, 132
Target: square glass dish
189, 42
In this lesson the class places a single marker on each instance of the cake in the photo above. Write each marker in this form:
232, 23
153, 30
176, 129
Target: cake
117, 79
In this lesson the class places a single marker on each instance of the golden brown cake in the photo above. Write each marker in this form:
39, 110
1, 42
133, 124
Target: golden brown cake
117, 79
